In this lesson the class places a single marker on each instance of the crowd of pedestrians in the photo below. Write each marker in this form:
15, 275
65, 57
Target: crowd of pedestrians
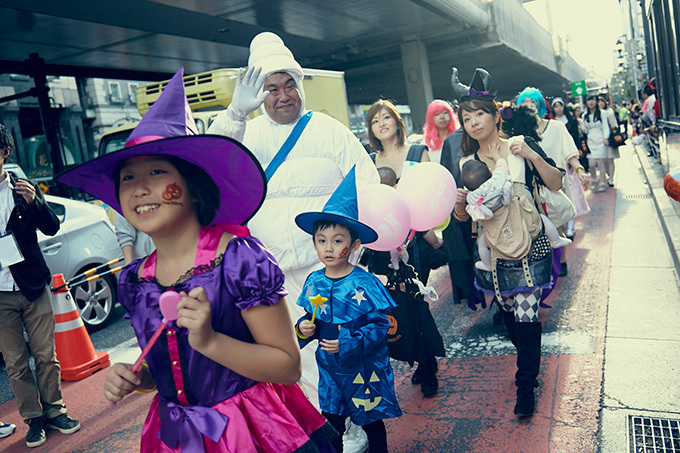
252, 299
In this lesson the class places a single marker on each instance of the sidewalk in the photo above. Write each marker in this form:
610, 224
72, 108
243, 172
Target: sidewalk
642, 342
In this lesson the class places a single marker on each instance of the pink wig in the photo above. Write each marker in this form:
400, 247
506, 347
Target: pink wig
430, 131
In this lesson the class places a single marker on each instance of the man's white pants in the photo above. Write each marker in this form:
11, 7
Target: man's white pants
295, 281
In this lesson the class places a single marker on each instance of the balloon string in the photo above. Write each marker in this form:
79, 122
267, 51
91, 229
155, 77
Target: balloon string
409, 239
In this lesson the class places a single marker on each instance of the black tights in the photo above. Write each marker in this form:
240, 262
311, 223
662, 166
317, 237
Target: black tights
376, 433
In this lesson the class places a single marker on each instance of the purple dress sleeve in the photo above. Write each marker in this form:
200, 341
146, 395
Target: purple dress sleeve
251, 274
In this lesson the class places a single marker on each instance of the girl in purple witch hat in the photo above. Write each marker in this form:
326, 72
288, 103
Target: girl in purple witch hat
224, 372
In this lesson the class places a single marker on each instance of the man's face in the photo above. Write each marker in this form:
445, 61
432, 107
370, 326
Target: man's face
283, 103
4, 155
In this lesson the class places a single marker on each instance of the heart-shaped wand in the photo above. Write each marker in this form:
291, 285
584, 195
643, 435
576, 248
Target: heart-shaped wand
168, 302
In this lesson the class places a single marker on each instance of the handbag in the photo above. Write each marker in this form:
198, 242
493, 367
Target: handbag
583, 149
617, 138
413, 335
555, 204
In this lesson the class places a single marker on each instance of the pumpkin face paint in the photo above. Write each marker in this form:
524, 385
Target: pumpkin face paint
172, 192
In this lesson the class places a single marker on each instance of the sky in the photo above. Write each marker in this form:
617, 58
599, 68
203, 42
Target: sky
589, 28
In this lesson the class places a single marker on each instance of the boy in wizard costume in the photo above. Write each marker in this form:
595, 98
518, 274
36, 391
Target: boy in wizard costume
346, 308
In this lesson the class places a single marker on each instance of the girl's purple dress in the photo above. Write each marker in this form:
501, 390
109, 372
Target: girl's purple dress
201, 405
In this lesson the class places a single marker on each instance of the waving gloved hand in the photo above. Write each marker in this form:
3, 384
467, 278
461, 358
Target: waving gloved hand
247, 96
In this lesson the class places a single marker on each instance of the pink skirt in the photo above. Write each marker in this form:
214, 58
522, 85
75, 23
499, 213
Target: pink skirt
577, 194
264, 418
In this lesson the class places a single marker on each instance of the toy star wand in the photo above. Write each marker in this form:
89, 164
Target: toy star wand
316, 301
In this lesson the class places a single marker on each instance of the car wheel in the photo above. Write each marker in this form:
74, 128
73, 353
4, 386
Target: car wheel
95, 301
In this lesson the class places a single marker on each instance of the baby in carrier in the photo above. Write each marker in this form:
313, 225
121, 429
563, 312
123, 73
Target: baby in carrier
492, 203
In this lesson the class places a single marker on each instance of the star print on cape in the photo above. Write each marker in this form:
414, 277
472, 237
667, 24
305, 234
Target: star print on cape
358, 296
349, 298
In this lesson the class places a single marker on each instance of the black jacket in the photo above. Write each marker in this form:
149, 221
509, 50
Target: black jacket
32, 274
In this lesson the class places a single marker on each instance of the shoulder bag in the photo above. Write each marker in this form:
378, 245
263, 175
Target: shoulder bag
413, 335
555, 204
617, 138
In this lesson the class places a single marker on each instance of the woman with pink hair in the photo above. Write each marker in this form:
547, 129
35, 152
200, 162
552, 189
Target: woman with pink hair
439, 124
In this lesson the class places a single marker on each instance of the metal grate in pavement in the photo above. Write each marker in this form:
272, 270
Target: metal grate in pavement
635, 196
653, 435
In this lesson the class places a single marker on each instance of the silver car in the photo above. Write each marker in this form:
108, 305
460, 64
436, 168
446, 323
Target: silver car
86, 239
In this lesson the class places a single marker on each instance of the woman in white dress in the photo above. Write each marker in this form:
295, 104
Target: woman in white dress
612, 153
595, 124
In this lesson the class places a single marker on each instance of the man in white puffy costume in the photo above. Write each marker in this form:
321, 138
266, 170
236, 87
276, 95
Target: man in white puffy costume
324, 153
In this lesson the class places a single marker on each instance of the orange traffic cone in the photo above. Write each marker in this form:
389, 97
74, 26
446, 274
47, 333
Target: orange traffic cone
75, 351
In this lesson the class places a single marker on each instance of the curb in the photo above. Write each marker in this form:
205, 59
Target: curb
668, 216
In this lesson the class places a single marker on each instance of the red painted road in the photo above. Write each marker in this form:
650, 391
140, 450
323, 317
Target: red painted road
473, 410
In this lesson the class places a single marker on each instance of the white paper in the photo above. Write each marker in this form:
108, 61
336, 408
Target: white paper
9, 251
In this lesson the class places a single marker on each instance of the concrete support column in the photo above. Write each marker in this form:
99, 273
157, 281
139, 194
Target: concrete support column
418, 83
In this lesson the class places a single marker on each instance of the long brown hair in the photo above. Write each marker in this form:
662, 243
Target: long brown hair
373, 110
468, 144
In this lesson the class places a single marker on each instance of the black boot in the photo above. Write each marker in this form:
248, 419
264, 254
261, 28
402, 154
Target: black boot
429, 384
509, 321
528, 335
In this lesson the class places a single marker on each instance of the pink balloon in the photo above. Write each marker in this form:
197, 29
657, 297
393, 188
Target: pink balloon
382, 208
430, 193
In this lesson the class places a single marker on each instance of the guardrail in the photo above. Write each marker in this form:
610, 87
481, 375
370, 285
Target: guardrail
672, 125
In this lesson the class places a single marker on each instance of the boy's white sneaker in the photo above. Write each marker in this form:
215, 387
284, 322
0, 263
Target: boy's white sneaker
354, 439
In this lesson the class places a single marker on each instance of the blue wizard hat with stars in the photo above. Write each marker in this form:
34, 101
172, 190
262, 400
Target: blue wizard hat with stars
342, 208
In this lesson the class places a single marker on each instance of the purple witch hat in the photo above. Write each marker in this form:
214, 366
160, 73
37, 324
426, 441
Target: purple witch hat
168, 129
341, 207
479, 87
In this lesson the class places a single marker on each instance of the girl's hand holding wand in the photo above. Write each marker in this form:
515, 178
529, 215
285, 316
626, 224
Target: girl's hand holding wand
120, 381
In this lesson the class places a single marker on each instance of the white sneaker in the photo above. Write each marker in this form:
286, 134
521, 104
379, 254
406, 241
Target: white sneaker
354, 440
7, 429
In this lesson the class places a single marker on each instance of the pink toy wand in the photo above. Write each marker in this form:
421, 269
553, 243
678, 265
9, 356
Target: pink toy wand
168, 302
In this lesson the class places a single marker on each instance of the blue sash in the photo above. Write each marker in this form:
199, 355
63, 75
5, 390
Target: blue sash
287, 145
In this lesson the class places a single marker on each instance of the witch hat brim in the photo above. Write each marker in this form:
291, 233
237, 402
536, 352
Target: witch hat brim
236, 172
168, 129
365, 233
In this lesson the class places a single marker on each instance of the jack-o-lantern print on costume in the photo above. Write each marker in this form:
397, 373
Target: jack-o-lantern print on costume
372, 399
394, 327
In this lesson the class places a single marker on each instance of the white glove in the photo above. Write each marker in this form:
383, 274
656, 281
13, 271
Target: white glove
247, 96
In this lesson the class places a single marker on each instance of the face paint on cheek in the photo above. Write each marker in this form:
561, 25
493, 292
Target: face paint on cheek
343, 253
172, 192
